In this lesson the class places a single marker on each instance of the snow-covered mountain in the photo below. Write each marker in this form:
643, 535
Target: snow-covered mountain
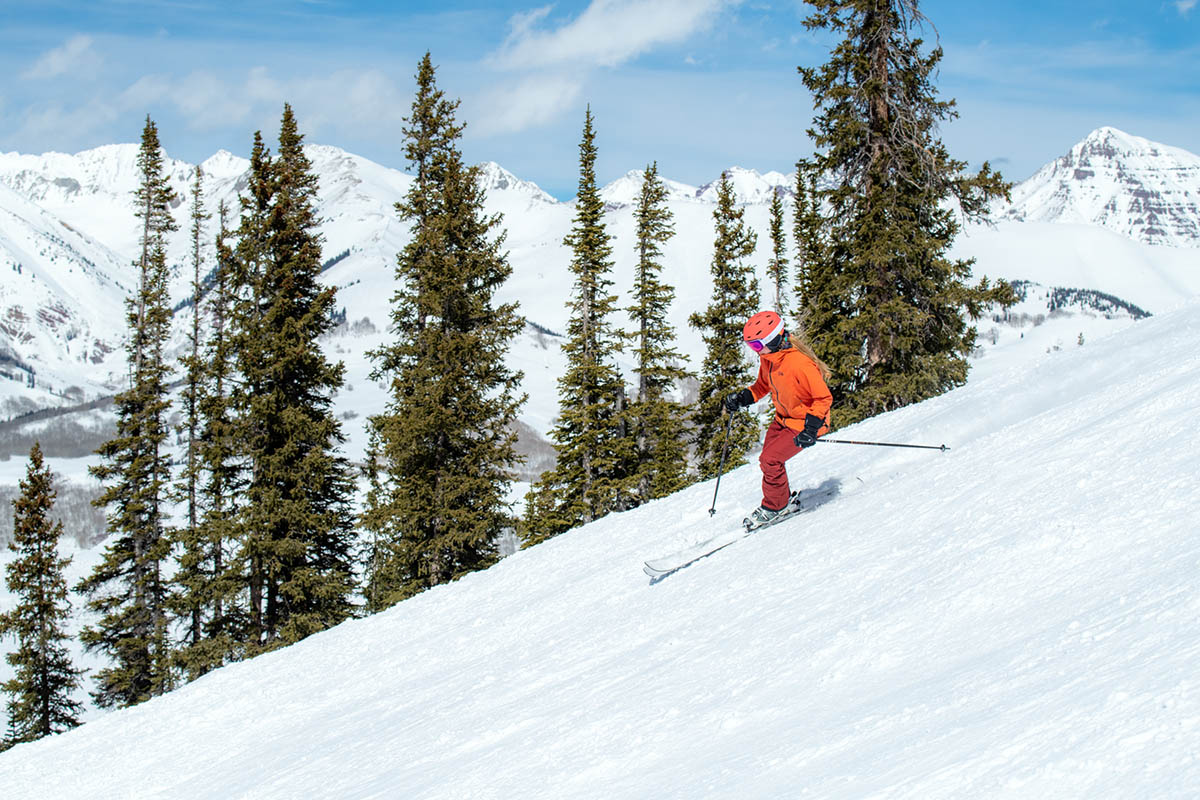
1013, 618
89, 196
627, 189
61, 304
1147, 191
750, 186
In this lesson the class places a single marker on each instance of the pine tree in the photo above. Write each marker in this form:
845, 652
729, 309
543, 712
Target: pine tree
811, 246
726, 368
657, 423
777, 266
594, 450
246, 268
128, 589
193, 576
44, 679
298, 546
225, 632
443, 451
889, 314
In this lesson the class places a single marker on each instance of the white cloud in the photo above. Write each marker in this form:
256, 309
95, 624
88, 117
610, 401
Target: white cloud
1185, 6
556, 61
57, 126
532, 101
74, 56
607, 33
340, 103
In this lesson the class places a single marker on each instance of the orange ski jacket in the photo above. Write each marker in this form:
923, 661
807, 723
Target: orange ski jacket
796, 387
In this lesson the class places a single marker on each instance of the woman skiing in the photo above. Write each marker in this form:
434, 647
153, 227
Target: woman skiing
795, 378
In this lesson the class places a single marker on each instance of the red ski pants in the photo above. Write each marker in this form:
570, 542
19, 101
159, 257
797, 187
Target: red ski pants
778, 447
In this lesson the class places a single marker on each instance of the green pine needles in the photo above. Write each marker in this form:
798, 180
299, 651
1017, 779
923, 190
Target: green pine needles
879, 298
443, 451
726, 367
297, 545
657, 422
128, 589
591, 437
41, 692
777, 266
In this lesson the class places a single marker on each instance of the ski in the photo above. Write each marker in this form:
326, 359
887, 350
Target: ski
659, 567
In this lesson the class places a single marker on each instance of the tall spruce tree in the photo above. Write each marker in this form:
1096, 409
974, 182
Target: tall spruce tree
247, 266
225, 630
811, 243
726, 368
890, 309
193, 575
657, 423
44, 680
777, 265
128, 588
444, 449
298, 544
594, 450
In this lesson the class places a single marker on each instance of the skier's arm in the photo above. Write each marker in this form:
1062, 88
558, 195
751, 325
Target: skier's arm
810, 384
760, 388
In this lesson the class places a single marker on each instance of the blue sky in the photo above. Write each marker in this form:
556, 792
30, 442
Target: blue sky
698, 85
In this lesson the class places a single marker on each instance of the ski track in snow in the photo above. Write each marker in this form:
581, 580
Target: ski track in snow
1016, 617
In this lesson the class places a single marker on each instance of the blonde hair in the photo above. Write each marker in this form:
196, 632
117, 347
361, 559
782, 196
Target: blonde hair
803, 347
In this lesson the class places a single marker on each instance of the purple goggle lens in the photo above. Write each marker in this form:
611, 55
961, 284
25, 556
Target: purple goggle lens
756, 345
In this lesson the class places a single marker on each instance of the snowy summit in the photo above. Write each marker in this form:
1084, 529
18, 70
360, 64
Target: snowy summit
1138, 188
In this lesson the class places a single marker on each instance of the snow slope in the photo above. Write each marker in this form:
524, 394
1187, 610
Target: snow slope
1017, 617
61, 302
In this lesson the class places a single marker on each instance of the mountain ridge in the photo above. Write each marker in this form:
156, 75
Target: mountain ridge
90, 193
1147, 191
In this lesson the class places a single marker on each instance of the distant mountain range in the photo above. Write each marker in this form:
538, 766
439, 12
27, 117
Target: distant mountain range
68, 236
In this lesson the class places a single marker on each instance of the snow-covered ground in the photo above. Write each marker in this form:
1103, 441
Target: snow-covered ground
1017, 617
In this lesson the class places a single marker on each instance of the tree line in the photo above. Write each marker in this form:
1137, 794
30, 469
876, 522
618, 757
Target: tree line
258, 540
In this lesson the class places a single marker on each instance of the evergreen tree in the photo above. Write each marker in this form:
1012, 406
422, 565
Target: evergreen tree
298, 528
811, 243
247, 267
128, 589
889, 315
225, 631
594, 450
777, 266
726, 368
443, 450
657, 423
44, 679
193, 575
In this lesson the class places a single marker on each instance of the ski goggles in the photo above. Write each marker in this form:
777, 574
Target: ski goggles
758, 345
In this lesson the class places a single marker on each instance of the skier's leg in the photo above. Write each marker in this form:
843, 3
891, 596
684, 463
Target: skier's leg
778, 447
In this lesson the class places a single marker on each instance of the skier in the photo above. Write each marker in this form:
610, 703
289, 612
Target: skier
795, 378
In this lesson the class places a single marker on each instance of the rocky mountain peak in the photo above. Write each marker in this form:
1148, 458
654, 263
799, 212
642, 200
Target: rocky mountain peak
1147, 191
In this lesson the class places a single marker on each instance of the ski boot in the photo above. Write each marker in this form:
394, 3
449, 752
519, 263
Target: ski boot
762, 516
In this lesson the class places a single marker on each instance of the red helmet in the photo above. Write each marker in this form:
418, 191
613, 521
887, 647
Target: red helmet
763, 332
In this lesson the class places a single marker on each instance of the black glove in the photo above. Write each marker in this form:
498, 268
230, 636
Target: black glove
808, 436
739, 400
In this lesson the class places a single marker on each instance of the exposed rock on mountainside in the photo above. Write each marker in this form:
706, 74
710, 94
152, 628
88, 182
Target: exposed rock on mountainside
1147, 191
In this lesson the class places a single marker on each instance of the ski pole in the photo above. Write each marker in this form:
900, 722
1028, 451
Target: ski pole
721, 469
941, 447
